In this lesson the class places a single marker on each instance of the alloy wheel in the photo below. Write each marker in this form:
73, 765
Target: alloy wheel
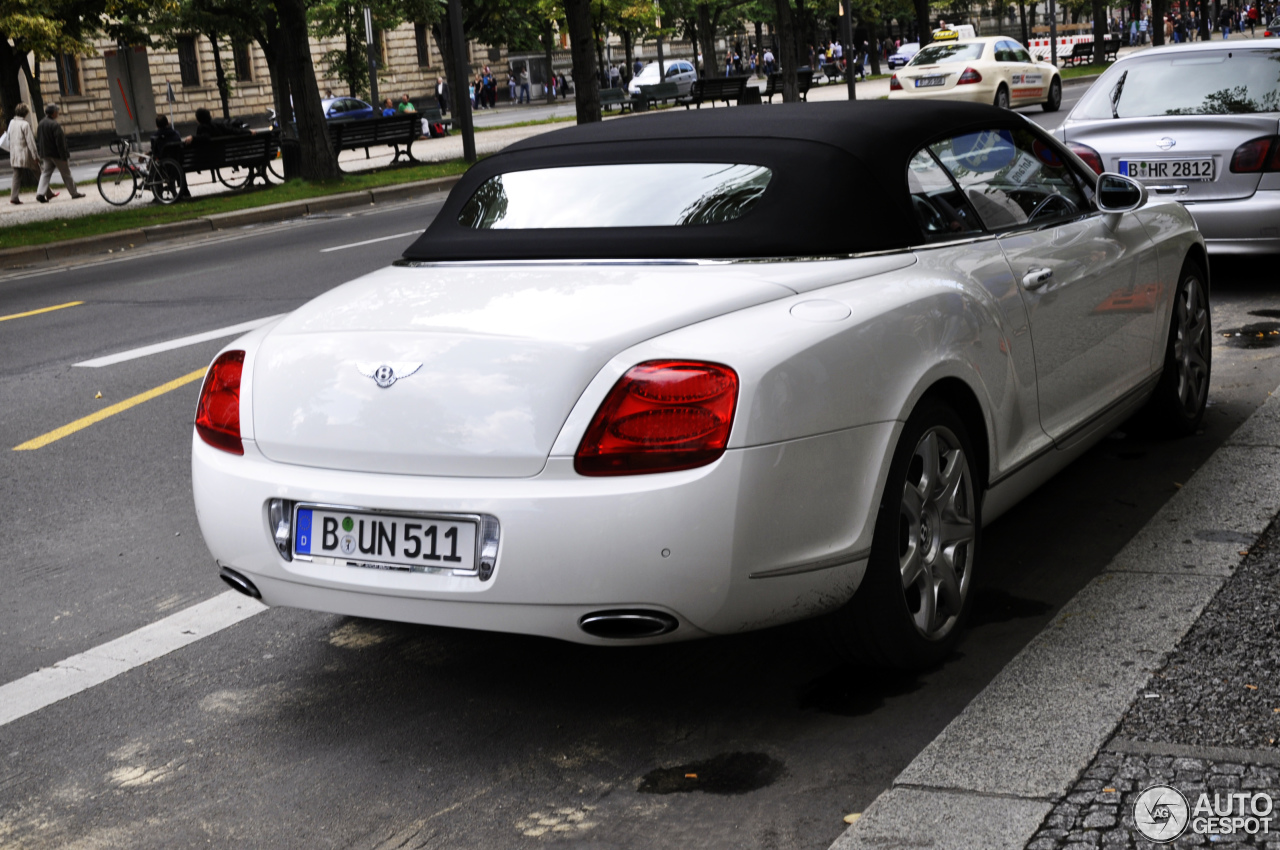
937, 529
1191, 344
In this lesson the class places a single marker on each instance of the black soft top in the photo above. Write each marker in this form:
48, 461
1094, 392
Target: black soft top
839, 182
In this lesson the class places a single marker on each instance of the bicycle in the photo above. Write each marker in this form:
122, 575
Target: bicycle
122, 180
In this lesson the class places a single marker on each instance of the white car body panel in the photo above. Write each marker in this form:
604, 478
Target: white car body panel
1027, 82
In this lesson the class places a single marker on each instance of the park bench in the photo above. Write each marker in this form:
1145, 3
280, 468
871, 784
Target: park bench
1110, 49
396, 130
1080, 53
804, 79
610, 98
251, 153
433, 115
658, 92
832, 71
712, 89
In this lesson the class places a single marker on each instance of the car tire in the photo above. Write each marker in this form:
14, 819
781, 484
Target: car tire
928, 525
1054, 103
1002, 97
1177, 406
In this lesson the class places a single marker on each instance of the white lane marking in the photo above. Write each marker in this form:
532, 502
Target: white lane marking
81, 672
146, 350
370, 241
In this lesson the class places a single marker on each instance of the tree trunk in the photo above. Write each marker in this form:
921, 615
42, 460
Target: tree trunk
10, 92
1156, 29
1022, 16
268, 39
628, 48
787, 54
458, 96
318, 159
759, 48
1099, 30
874, 50
586, 83
707, 41
922, 22
548, 44
602, 76
220, 74
33, 84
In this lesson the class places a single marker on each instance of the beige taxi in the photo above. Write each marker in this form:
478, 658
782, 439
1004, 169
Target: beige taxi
993, 69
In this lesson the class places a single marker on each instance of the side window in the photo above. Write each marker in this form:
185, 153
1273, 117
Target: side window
1020, 54
1012, 178
1004, 51
940, 207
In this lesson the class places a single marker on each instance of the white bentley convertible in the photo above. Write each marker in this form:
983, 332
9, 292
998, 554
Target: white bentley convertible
629, 387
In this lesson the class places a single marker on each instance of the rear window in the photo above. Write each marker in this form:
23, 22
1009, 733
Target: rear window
609, 196
942, 54
1218, 82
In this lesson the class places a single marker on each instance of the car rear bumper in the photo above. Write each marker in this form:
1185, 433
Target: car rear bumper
967, 94
691, 544
1245, 226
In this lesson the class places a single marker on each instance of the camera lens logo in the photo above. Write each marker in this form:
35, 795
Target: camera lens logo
1161, 813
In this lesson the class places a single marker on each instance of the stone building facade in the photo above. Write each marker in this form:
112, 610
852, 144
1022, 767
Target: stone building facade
410, 64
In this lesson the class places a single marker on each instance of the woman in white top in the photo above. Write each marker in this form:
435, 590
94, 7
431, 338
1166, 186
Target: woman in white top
22, 149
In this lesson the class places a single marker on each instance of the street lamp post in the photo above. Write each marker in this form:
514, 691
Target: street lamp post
846, 35
1053, 32
373, 59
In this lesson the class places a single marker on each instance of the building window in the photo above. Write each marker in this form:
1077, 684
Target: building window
68, 75
243, 62
188, 60
424, 47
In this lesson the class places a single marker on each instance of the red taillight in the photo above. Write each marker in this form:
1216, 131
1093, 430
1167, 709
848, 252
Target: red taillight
1257, 155
661, 416
1091, 158
894, 85
218, 414
969, 76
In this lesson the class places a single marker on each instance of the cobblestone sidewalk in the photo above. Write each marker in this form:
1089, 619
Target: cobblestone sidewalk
1207, 722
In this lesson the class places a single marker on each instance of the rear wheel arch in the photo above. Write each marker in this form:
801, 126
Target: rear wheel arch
960, 397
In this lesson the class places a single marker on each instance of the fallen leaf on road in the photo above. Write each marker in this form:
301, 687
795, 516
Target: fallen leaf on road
691, 776
99, 395
853, 818
1252, 687
1108, 790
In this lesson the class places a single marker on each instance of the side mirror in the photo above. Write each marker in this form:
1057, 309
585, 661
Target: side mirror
1119, 194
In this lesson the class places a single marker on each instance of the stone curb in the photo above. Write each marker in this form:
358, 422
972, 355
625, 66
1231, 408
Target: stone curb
124, 239
1020, 745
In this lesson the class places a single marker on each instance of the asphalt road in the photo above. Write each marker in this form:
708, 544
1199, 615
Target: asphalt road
298, 729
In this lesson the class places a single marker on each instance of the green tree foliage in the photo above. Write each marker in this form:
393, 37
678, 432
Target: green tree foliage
344, 19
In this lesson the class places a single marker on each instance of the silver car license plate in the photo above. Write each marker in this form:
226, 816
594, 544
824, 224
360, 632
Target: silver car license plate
925, 82
383, 540
1168, 169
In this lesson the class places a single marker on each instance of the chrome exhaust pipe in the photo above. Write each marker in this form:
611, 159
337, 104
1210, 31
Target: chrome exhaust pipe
627, 624
240, 583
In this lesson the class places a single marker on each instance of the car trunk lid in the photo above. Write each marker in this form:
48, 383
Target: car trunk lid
1165, 143
485, 362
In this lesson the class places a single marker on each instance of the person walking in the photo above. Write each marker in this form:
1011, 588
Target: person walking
23, 156
1224, 23
524, 85
442, 95
768, 61
51, 142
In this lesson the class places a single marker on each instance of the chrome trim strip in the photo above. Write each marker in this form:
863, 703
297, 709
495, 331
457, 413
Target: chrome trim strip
708, 261
813, 566
1055, 444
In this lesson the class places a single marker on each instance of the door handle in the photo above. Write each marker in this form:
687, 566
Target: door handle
1036, 278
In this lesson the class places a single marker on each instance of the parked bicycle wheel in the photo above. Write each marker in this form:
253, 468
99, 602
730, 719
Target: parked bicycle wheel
236, 177
117, 183
167, 182
276, 167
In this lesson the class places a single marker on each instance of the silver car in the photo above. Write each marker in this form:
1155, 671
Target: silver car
1198, 123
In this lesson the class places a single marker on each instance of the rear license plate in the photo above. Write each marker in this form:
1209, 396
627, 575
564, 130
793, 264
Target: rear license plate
1168, 169
385, 541
925, 82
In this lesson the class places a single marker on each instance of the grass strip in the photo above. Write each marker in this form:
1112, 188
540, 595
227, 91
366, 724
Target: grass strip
140, 213
1082, 70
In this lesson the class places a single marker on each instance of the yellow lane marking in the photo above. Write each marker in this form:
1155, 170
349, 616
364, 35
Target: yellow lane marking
41, 310
118, 407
